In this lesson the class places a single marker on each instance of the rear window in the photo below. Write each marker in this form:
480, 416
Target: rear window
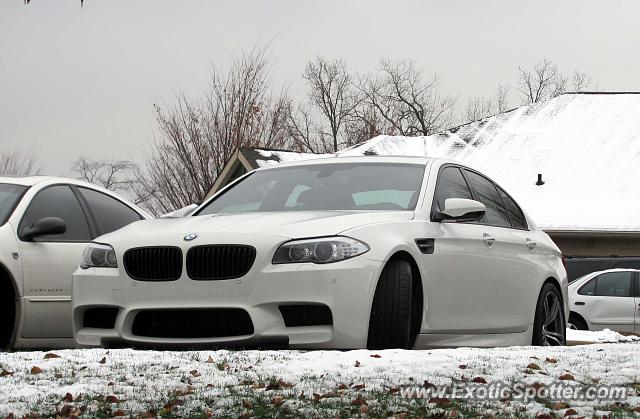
10, 195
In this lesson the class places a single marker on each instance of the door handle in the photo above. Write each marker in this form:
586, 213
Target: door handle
531, 244
488, 239
580, 303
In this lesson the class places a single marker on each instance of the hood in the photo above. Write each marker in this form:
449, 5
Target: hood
289, 225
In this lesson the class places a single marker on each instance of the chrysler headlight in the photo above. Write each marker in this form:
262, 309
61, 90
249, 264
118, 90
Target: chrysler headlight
321, 250
98, 256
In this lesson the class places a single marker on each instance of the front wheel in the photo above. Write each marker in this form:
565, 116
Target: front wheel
549, 327
396, 311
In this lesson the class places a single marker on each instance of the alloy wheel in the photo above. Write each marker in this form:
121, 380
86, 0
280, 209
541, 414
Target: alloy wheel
553, 325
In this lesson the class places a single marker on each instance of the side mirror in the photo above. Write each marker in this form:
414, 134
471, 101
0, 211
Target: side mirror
460, 209
44, 226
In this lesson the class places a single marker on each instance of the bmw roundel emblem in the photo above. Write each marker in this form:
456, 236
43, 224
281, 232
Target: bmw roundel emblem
190, 236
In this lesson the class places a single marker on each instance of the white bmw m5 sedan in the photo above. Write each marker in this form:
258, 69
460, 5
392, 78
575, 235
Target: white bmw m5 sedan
362, 252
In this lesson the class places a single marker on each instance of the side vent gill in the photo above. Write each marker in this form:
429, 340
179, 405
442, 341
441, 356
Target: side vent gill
426, 246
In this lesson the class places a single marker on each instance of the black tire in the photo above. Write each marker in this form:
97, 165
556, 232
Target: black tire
392, 324
577, 322
7, 312
549, 328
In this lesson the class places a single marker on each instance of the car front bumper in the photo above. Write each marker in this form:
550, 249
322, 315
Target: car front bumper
345, 287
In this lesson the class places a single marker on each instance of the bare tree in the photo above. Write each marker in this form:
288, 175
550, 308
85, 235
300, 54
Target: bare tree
545, 81
478, 108
115, 175
580, 81
502, 97
19, 161
332, 93
409, 103
197, 137
121, 176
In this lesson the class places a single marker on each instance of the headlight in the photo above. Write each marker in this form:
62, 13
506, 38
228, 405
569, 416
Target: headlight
98, 256
321, 250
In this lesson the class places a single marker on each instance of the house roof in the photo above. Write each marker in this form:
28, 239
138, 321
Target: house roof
585, 146
261, 157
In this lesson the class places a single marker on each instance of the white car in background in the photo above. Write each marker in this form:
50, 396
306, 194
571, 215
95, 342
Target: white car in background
45, 225
349, 252
607, 299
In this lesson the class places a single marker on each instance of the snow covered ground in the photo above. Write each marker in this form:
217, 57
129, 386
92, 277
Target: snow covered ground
603, 336
99, 382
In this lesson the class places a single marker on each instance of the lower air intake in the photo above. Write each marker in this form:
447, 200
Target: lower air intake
192, 323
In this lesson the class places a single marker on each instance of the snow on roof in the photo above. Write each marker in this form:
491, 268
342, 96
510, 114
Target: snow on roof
272, 157
586, 146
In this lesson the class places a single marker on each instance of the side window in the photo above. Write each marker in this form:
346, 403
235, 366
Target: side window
110, 213
513, 210
614, 284
451, 184
495, 214
58, 201
589, 288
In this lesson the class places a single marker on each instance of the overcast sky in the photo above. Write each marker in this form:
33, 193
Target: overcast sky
83, 81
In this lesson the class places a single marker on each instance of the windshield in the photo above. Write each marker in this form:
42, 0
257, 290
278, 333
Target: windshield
318, 187
9, 196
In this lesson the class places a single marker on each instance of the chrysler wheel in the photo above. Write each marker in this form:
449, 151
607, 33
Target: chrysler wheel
549, 327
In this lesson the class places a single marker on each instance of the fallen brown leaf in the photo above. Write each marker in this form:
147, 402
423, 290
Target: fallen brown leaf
375, 356
209, 360
533, 366
560, 405
358, 386
36, 370
67, 398
462, 367
248, 404
103, 360
111, 399
6, 373
479, 380
551, 361
51, 355
570, 412
440, 401
278, 400
195, 373
118, 412
359, 401
567, 377
65, 410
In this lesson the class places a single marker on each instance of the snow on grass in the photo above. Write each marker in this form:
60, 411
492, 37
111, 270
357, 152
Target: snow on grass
98, 382
602, 336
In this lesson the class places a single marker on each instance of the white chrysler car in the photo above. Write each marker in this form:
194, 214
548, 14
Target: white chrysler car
606, 300
377, 252
45, 225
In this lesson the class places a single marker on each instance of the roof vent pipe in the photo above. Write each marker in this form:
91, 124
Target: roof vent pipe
540, 182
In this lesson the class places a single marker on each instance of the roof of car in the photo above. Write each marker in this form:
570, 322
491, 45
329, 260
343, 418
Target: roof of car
24, 180
34, 180
354, 159
48, 180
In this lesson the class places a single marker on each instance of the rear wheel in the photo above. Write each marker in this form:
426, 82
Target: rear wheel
576, 322
396, 310
549, 327
7, 311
